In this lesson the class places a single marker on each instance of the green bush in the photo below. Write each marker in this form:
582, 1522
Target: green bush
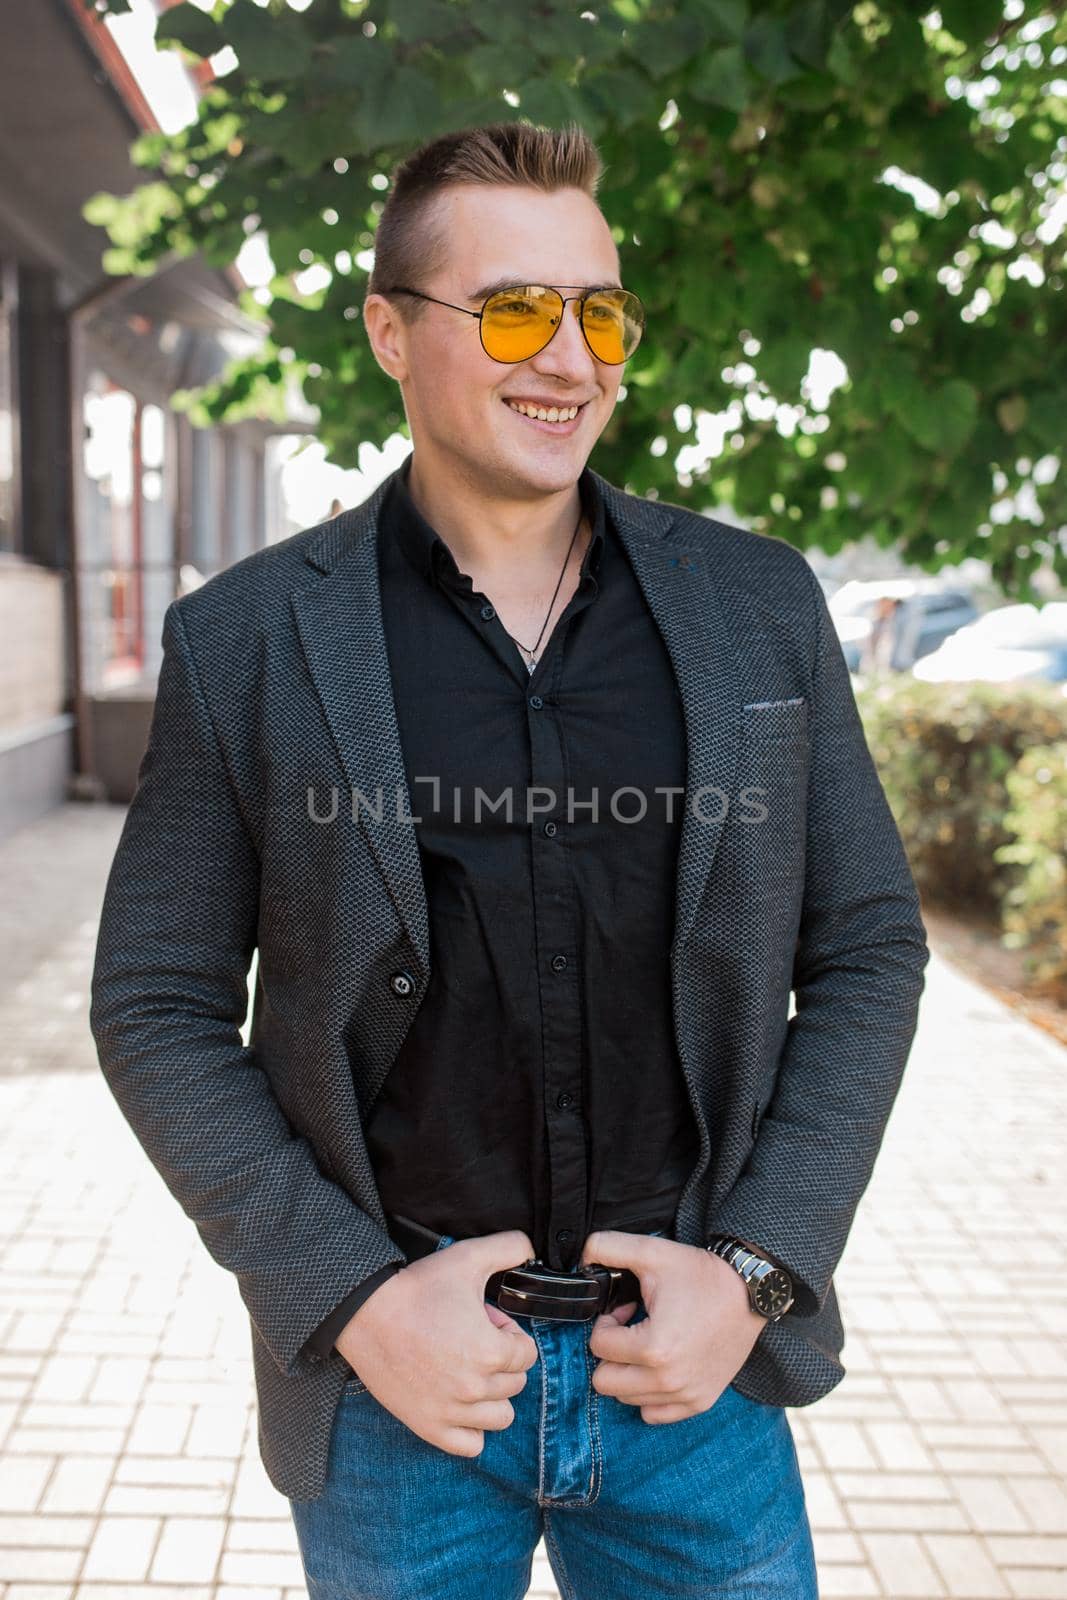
975, 776
944, 752
1034, 911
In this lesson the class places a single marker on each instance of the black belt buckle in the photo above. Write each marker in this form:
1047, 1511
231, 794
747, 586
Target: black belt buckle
535, 1290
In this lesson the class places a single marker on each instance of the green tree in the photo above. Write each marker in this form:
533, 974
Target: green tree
877, 180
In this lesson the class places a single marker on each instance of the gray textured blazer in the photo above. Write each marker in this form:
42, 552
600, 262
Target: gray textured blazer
274, 682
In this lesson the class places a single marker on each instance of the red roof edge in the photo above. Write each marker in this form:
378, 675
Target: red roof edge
114, 63
110, 57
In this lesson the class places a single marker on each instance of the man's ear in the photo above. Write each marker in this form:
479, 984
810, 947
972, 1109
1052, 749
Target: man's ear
385, 334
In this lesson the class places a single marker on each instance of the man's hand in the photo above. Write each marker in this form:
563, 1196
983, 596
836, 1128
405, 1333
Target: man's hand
431, 1350
698, 1333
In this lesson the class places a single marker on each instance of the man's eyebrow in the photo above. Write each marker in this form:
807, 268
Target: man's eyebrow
512, 282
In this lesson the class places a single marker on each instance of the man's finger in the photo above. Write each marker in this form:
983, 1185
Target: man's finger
613, 1248
623, 1313
611, 1340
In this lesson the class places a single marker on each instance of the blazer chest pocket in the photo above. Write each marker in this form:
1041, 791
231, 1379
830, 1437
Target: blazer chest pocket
776, 719
772, 782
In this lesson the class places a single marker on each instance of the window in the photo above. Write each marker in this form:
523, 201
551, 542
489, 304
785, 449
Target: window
114, 529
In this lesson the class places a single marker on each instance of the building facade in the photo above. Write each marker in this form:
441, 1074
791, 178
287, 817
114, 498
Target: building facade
110, 501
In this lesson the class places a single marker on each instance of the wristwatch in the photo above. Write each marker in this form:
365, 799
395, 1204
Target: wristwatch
770, 1288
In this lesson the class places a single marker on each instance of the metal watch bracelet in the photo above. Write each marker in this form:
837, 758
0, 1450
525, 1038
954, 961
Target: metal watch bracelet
753, 1269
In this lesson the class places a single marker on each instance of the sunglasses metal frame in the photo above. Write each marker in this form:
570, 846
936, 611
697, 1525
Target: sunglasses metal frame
598, 289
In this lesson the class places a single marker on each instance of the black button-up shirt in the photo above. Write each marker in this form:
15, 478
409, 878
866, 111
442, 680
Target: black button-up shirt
539, 1085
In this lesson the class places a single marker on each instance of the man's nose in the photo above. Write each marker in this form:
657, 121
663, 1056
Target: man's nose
567, 343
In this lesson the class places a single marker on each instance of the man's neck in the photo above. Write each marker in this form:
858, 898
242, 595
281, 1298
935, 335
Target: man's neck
514, 546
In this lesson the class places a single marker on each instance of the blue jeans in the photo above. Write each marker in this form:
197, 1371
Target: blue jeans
629, 1510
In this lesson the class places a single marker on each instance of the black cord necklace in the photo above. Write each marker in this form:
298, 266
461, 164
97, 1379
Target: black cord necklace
530, 649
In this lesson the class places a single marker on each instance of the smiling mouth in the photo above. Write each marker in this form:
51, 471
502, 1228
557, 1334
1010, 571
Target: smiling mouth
552, 416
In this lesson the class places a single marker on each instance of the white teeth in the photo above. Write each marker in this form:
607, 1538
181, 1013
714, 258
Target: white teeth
552, 414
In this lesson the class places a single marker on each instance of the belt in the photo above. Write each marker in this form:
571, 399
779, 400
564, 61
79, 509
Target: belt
535, 1290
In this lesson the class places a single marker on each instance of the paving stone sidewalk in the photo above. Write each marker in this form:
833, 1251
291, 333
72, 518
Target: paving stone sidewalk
128, 1460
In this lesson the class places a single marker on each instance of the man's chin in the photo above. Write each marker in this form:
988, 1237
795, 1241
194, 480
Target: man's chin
548, 474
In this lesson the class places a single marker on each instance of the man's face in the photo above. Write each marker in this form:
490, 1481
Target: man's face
455, 395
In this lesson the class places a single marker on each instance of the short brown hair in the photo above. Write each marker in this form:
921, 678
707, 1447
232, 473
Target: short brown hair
410, 243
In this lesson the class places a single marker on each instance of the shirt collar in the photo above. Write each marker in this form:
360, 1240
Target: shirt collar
430, 556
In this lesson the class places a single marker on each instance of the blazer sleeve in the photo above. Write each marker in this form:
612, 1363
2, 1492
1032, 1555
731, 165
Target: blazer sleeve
321, 1342
169, 996
858, 975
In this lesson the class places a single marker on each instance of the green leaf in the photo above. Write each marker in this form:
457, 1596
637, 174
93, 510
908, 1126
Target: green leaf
389, 112
899, 387
501, 24
548, 101
664, 46
497, 66
620, 93
766, 48
957, 412
843, 58
349, 63
880, 467
598, 41
1046, 411
561, 34
813, 92
972, 21
727, 17
193, 29
269, 47
418, 20
783, 362
807, 33
720, 79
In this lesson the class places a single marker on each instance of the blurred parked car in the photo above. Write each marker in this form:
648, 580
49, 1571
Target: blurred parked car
1008, 644
926, 614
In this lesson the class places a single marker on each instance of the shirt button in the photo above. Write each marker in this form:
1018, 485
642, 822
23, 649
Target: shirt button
563, 1099
488, 613
550, 829
402, 983
536, 702
564, 1235
559, 963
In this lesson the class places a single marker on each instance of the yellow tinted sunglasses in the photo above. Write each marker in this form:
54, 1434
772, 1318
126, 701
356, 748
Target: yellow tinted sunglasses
518, 322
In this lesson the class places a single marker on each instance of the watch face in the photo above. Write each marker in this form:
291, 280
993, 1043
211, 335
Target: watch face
773, 1293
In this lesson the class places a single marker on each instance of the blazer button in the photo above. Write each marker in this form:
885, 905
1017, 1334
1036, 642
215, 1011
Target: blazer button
402, 983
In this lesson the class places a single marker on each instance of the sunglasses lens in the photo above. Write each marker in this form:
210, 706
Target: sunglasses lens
614, 321
517, 323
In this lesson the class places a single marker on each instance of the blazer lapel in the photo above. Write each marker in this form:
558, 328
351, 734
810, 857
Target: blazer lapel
678, 582
343, 638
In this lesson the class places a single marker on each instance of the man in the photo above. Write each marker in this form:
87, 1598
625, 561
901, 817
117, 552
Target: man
537, 800
879, 650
